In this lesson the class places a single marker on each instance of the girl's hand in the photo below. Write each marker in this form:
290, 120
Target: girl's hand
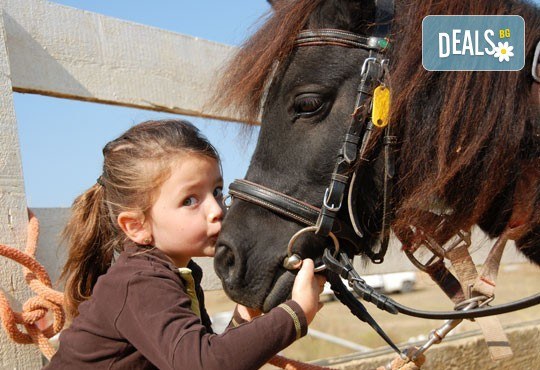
247, 313
306, 289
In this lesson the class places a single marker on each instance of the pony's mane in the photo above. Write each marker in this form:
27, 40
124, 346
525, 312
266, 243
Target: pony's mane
245, 78
469, 148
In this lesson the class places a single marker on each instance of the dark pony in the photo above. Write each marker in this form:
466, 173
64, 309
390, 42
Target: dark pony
468, 142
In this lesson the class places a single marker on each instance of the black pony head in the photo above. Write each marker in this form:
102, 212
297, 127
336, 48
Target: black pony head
463, 144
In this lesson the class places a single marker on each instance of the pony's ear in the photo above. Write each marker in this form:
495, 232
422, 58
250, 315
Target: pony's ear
348, 15
274, 2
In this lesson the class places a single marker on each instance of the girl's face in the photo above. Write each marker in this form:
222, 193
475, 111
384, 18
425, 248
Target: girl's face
185, 219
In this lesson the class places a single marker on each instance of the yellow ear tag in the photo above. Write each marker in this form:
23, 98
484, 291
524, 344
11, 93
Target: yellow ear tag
381, 106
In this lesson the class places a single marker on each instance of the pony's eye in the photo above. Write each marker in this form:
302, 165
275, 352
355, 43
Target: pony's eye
307, 105
218, 192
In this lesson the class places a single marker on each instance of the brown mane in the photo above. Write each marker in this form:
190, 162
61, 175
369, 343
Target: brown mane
471, 149
245, 79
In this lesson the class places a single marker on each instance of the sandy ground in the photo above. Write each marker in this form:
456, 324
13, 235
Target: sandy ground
515, 281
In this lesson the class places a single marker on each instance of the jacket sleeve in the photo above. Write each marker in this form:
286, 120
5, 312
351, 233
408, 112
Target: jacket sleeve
157, 320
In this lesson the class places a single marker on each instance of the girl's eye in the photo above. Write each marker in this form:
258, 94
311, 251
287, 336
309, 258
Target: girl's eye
189, 201
307, 105
218, 192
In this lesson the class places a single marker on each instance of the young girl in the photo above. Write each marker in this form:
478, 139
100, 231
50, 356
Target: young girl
157, 205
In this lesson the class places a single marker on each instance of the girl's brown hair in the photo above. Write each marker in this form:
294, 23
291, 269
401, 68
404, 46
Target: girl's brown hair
134, 167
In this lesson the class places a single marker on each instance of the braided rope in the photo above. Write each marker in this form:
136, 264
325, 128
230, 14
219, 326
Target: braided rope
37, 307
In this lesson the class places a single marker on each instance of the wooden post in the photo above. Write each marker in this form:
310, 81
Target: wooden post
13, 214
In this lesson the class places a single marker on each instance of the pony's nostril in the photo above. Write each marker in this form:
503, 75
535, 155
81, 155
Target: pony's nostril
229, 259
224, 262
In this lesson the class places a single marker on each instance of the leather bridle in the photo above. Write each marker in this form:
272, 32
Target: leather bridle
323, 220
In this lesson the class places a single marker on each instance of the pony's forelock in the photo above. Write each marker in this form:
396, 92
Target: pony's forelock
246, 76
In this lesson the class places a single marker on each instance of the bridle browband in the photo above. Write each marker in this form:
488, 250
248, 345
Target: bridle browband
324, 37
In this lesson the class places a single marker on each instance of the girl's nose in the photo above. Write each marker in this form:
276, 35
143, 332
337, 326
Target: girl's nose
215, 212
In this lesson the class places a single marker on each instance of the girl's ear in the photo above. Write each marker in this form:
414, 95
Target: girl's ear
134, 226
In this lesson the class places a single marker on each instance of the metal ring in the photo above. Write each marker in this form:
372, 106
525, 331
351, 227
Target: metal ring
535, 62
476, 301
308, 229
224, 201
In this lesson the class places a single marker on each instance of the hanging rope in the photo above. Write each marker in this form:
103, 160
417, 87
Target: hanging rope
37, 307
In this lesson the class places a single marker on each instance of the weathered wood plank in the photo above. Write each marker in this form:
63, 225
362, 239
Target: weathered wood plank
65, 52
13, 216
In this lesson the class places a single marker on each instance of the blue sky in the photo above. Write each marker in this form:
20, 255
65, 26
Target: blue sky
61, 140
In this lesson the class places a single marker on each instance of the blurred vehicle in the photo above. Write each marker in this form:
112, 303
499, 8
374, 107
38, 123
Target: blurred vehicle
402, 282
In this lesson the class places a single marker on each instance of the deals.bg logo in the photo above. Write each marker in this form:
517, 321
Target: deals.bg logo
473, 43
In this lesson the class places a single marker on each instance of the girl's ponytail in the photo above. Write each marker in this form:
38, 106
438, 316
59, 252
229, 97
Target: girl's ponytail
91, 246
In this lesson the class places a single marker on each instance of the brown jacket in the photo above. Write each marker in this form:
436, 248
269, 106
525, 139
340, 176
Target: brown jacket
140, 317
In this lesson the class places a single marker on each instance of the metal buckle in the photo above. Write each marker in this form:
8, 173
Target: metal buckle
423, 266
431, 245
332, 207
366, 61
227, 201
